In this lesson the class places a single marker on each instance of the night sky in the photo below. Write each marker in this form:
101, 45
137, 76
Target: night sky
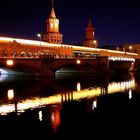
116, 22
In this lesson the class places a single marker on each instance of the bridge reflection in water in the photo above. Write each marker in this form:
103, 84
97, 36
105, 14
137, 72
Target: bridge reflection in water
92, 92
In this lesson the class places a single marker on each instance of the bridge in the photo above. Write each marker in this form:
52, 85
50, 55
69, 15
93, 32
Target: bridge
44, 59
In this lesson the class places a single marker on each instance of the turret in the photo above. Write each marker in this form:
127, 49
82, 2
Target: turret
90, 40
52, 29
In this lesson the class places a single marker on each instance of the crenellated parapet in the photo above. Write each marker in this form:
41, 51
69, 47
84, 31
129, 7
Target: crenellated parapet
10, 47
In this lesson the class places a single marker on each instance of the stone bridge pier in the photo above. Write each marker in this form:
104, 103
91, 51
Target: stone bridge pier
137, 65
48, 67
97, 65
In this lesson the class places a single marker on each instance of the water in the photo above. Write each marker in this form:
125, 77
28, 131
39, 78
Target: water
73, 106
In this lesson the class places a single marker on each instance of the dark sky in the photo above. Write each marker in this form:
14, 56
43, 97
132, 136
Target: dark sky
116, 21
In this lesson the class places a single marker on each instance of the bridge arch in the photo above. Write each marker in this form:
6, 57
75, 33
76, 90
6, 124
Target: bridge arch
29, 54
5, 53
15, 54
23, 54
35, 54
84, 68
61, 65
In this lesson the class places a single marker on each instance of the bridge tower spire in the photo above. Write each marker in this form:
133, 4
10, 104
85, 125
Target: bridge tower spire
52, 28
90, 40
52, 14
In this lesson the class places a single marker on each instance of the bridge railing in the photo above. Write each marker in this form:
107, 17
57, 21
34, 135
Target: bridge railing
105, 52
39, 57
82, 55
118, 54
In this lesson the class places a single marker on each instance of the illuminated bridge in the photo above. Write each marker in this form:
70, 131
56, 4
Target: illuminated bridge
41, 58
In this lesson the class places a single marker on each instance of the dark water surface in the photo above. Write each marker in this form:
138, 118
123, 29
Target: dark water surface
70, 106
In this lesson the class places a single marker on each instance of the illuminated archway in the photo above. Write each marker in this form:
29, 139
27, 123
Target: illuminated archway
5, 54
14, 54
29, 54
22, 54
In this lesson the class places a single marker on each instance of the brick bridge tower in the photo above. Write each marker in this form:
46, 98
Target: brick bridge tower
52, 35
90, 40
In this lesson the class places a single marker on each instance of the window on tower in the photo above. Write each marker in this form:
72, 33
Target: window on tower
51, 25
95, 42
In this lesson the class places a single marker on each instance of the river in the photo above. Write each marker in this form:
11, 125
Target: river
70, 106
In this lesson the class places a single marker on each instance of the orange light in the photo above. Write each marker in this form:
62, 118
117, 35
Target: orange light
130, 47
25, 41
78, 62
113, 87
10, 94
55, 119
94, 41
78, 86
10, 62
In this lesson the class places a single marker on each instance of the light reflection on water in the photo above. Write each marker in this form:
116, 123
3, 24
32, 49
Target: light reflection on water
68, 105
59, 98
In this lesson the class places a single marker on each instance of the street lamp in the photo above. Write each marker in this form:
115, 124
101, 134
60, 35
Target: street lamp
130, 48
39, 36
